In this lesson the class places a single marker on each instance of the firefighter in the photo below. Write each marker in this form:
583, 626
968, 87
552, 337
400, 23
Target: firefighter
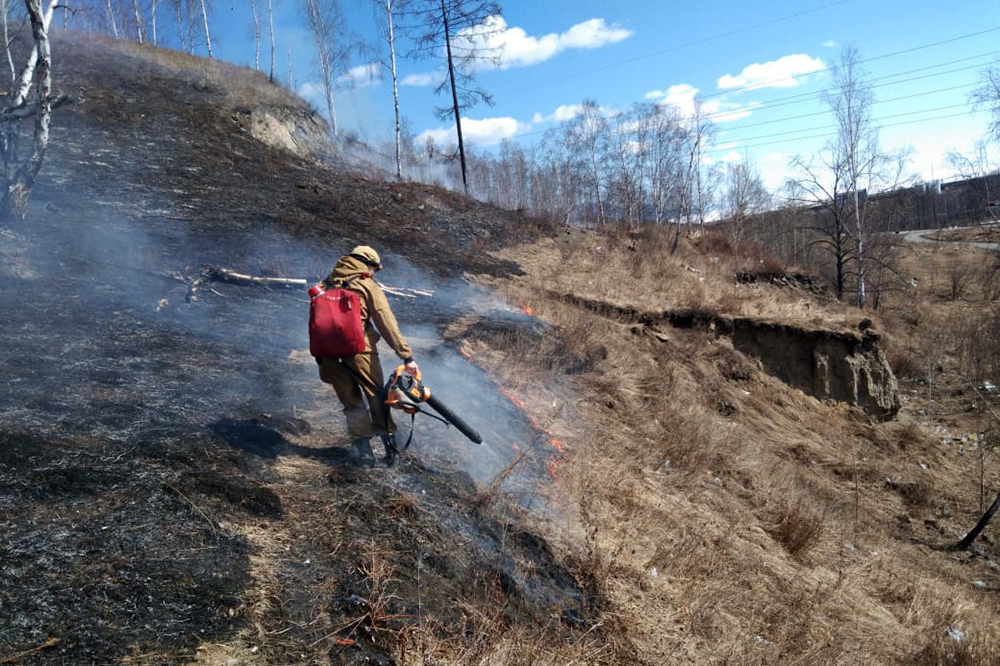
358, 379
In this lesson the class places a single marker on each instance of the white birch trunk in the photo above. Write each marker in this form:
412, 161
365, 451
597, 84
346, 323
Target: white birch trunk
6, 43
138, 19
395, 92
256, 35
288, 58
23, 86
270, 21
111, 17
152, 19
15, 201
208, 35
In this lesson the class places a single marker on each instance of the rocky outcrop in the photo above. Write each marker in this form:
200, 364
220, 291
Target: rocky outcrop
298, 131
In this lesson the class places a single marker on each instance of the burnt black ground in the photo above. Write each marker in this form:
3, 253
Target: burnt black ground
151, 449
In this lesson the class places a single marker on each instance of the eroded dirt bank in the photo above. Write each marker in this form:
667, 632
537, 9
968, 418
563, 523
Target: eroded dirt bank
842, 366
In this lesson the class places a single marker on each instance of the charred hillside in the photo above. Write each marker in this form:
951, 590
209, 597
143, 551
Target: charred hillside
175, 483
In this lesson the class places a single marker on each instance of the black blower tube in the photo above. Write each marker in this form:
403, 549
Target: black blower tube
454, 419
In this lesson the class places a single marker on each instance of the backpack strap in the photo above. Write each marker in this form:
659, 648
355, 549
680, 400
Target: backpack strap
347, 281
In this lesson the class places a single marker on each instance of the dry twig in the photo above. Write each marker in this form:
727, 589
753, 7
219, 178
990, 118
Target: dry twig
14, 658
211, 523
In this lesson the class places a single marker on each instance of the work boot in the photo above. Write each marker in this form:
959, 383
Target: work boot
391, 452
363, 454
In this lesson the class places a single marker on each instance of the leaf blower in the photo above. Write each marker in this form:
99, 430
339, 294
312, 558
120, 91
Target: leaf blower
406, 391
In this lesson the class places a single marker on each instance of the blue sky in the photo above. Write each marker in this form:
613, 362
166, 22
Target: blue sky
925, 57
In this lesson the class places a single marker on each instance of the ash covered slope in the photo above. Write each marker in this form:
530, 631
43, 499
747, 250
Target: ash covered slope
162, 137
173, 481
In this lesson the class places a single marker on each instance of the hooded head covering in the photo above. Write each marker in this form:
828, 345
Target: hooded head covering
368, 256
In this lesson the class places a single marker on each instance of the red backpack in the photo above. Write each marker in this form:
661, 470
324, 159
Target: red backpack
335, 326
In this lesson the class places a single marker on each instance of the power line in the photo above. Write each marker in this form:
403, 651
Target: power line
829, 134
876, 120
808, 96
754, 86
676, 47
825, 112
811, 96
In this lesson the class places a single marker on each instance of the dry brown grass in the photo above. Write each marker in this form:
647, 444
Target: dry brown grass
640, 271
240, 85
783, 530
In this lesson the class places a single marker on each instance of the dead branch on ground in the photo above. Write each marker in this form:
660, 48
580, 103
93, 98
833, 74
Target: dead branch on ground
15, 658
211, 523
487, 495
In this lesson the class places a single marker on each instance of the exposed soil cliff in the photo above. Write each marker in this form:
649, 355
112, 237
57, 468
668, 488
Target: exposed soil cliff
843, 366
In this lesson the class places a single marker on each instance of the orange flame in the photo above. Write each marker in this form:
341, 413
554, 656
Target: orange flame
526, 309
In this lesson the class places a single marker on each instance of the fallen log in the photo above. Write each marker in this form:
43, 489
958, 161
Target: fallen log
228, 275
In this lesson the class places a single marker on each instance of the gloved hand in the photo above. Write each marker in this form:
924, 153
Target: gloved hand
411, 367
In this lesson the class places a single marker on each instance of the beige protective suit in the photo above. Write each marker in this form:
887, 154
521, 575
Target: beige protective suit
379, 323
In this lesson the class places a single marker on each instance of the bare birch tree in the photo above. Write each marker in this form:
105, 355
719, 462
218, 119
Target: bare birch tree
183, 36
988, 95
138, 21
868, 170
856, 146
326, 22
256, 35
384, 12
208, 34
821, 183
459, 33
666, 139
19, 178
585, 139
111, 18
270, 25
692, 187
8, 37
152, 18
977, 168
744, 195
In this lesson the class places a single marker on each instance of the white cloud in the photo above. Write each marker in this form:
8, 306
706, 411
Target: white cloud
727, 112
732, 157
422, 80
682, 97
362, 76
516, 48
483, 132
774, 170
569, 112
780, 73
829, 43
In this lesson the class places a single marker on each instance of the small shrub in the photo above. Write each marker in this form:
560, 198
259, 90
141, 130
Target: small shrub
960, 276
904, 364
796, 527
716, 243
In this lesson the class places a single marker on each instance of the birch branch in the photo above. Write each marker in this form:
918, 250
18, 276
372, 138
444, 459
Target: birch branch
228, 275
29, 109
